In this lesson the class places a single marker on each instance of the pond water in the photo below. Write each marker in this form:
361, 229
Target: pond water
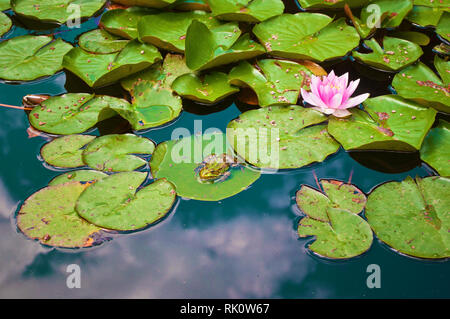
242, 247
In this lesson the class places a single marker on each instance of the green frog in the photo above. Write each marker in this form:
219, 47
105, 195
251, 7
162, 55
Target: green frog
215, 168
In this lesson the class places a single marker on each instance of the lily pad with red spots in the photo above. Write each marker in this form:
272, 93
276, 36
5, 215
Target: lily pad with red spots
82, 175
436, 148
124, 22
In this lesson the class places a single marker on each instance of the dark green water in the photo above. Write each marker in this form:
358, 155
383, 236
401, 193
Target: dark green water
242, 247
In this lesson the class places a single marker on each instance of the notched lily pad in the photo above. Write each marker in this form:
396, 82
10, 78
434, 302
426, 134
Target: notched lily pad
412, 216
100, 41
309, 36
66, 151
114, 153
83, 176
281, 137
246, 10
117, 202
49, 216
103, 69
389, 122
187, 164
28, 57
436, 148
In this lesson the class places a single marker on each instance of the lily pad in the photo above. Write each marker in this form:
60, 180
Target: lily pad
256, 134
103, 69
55, 11
179, 161
207, 48
5, 23
146, 3
273, 81
436, 148
246, 10
102, 42
443, 27
5, 5
394, 55
83, 175
321, 4
424, 16
191, 5
412, 216
389, 122
49, 216
73, 113
167, 30
413, 36
434, 4
114, 153
66, 151
124, 22
208, 88
310, 36
419, 83
29, 57
115, 203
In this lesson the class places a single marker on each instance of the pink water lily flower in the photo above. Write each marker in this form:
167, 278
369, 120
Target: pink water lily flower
332, 94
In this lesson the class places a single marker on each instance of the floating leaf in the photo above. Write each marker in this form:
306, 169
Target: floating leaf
179, 161
49, 216
29, 57
246, 10
419, 83
84, 176
102, 69
73, 113
56, 11
190, 5
5, 23
412, 216
208, 88
337, 195
115, 203
436, 148
389, 122
114, 153
273, 81
124, 22
146, 3
413, 36
100, 41
307, 36
394, 55
319, 4
443, 27
207, 48
5, 5
167, 30
432, 3
394, 12
66, 151
281, 137
424, 16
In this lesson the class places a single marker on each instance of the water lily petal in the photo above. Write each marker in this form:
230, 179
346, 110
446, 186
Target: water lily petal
351, 89
335, 101
312, 99
341, 113
355, 101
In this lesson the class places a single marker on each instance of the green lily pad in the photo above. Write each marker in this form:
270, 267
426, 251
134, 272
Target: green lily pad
412, 216
310, 36
146, 3
443, 27
434, 4
179, 161
66, 151
436, 148
49, 216
301, 141
124, 22
29, 57
413, 36
336, 195
424, 16
114, 153
208, 88
100, 41
394, 55
83, 175
103, 69
273, 81
394, 12
207, 48
5, 23
346, 235
246, 10
73, 113
321, 4
389, 122
419, 83
5, 5
114, 202
167, 30
55, 11
191, 5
